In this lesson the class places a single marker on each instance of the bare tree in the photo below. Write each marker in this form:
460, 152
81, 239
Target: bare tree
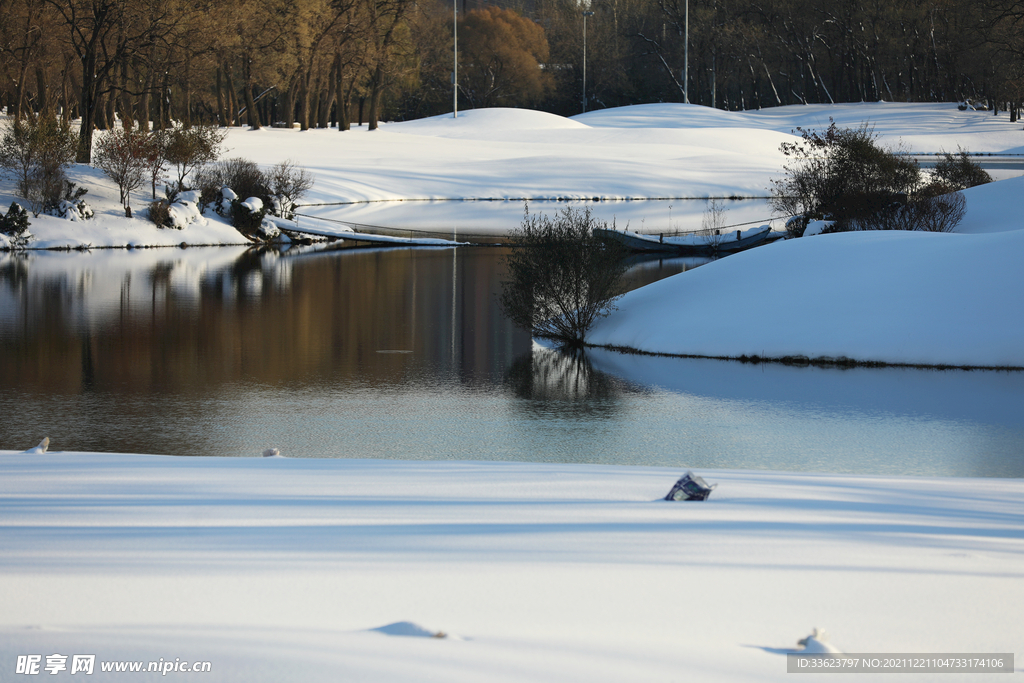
562, 276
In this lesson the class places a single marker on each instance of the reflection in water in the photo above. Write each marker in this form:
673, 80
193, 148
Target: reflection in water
558, 383
330, 352
158, 335
553, 375
648, 268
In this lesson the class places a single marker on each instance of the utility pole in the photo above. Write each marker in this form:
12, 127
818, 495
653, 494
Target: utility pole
455, 67
686, 53
585, 15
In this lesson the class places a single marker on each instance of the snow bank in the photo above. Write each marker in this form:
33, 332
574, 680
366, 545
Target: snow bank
939, 299
280, 569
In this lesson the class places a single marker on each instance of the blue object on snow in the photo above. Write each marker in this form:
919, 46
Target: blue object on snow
690, 487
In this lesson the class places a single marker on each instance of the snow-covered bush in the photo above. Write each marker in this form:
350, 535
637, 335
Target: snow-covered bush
14, 226
816, 228
248, 216
279, 188
159, 213
245, 177
183, 213
74, 210
178, 213
268, 231
227, 200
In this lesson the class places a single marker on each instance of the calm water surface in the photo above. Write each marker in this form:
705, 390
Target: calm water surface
403, 354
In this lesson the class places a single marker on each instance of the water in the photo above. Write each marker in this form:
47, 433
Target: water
404, 354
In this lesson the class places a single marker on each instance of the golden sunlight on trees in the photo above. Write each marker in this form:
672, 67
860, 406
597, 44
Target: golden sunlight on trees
157, 64
500, 57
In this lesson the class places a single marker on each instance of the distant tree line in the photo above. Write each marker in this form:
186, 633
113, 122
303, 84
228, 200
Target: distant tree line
320, 63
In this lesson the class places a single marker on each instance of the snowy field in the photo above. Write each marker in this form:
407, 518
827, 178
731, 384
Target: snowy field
617, 156
325, 570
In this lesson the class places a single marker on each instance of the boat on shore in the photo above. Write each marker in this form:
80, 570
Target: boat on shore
691, 244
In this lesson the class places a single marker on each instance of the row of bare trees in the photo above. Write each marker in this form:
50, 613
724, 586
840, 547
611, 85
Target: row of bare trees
318, 63
745, 54
151, 62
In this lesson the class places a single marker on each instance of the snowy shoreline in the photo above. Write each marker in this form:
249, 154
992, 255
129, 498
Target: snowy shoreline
805, 361
324, 568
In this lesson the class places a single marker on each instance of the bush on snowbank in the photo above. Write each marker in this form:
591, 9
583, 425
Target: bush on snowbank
279, 188
37, 150
841, 176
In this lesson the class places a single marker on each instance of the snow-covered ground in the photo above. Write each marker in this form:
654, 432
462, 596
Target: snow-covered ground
895, 297
616, 156
278, 569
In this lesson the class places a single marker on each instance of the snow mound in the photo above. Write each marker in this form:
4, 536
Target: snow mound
408, 628
41, 448
993, 207
896, 297
666, 115
817, 644
483, 121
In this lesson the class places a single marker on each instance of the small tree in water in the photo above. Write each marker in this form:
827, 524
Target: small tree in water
562, 276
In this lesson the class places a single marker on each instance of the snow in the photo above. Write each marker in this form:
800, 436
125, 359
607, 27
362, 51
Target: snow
614, 156
897, 297
298, 569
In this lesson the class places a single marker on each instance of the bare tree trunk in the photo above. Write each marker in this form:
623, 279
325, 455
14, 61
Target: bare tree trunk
144, 113
166, 115
186, 115
376, 93
344, 107
19, 97
65, 95
124, 99
332, 92
252, 114
111, 110
288, 115
100, 114
232, 102
222, 116
45, 98
160, 117
304, 101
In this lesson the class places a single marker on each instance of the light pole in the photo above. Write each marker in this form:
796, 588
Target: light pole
585, 15
686, 54
455, 67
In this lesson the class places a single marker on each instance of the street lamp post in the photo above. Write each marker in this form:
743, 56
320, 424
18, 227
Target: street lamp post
585, 15
686, 54
455, 67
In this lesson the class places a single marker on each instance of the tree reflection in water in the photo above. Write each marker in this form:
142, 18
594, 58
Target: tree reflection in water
552, 380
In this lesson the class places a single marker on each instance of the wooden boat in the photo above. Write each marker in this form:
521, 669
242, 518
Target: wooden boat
690, 243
